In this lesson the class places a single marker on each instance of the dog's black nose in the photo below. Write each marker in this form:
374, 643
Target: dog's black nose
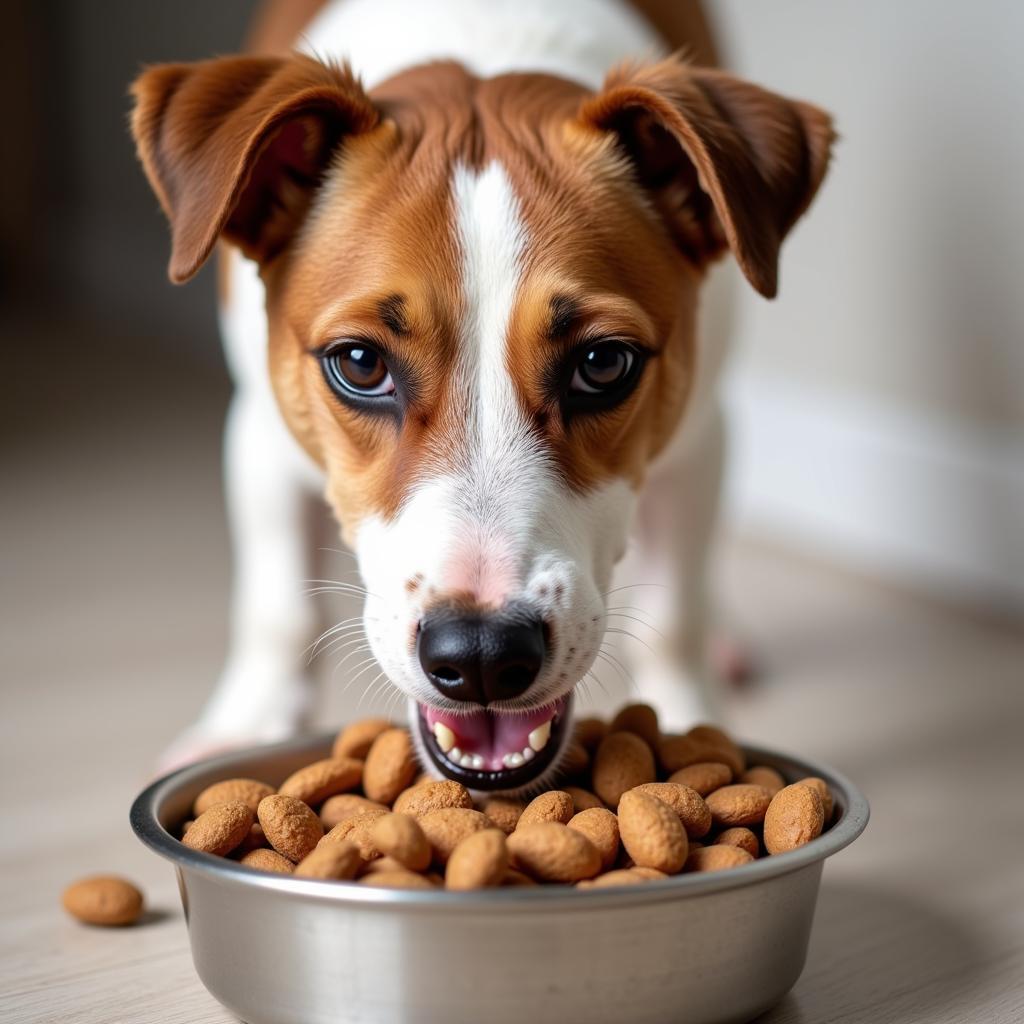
477, 657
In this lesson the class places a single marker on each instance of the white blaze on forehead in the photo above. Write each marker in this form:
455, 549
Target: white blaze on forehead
492, 240
506, 480
497, 521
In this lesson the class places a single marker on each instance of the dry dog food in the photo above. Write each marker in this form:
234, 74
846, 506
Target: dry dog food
104, 900
630, 805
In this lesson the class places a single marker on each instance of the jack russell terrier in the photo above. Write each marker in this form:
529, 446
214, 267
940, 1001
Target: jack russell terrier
465, 243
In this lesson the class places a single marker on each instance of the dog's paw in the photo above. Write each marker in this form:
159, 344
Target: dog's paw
249, 707
680, 698
199, 742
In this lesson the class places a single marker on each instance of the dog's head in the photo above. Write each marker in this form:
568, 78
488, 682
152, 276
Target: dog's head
481, 298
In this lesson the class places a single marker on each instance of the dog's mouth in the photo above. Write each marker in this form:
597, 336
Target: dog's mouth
489, 750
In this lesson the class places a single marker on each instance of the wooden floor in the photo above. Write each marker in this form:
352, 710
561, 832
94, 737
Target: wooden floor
111, 630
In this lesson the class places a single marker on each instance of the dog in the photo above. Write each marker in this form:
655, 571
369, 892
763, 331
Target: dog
463, 245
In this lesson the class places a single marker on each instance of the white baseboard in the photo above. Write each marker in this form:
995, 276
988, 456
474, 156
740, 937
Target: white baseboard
931, 503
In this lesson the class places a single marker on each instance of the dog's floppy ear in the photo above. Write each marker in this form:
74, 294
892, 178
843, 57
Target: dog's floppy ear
725, 162
235, 146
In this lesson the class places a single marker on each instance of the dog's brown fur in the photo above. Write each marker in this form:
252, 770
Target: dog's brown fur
343, 197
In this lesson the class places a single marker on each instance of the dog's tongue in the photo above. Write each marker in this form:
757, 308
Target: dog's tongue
493, 736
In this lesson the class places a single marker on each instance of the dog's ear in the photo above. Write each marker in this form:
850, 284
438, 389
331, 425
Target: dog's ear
235, 147
725, 162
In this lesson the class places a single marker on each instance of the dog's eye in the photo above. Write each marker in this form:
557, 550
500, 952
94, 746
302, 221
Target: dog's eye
358, 369
604, 368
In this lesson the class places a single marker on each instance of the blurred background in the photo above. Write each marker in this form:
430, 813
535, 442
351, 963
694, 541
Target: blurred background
877, 406
873, 553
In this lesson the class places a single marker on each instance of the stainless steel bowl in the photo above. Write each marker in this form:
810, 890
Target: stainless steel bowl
699, 949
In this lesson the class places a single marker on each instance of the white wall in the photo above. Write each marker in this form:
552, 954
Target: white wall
880, 400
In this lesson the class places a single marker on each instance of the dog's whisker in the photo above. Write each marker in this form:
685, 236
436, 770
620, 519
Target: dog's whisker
374, 684
639, 622
610, 657
340, 643
629, 608
361, 669
345, 625
632, 636
631, 586
350, 635
355, 652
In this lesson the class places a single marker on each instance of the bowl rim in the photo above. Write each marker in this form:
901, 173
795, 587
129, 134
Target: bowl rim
146, 825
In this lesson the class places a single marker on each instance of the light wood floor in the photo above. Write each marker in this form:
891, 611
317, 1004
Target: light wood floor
112, 620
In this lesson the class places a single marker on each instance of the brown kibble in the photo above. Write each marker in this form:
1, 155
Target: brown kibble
640, 719
478, 862
432, 796
703, 777
553, 852
396, 880
220, 829
255, 840
575, 760
103, 900
290, 826
356, 738
717, 858
337, 861
650, 874
687, 803
321, 779
346, 805
370, 867
738, 804
651, 832
447, 827
390, 766
741, 837
623, 762
622, 876
504, 812
589, 732
554, 805
601, 827
675, 752
710, 734
358, 830
795, 817
515, 878
583, 799
400, 837
823, 791
762, 775
268, 860
247, 791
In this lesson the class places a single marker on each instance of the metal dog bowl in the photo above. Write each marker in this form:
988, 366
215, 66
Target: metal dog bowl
700, 949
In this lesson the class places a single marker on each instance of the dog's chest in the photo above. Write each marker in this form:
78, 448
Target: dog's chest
575, 39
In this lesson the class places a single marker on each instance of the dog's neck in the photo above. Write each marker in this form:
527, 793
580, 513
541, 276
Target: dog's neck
574, 39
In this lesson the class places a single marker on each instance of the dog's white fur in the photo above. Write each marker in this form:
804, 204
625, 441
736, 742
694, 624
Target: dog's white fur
493, 519
502, 506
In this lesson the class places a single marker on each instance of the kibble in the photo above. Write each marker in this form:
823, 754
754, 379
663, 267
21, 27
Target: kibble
639, 806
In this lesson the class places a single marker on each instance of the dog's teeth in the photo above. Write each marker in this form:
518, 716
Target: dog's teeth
466, 761
455, 755
444, 736
514, 760
540, 736
528, 754
478, 762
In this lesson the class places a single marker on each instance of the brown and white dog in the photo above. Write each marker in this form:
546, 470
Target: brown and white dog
472, 266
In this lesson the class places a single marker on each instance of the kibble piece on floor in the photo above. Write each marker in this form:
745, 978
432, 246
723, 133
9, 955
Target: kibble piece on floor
103, 900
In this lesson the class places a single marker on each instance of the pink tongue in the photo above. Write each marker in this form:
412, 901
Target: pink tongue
492, 736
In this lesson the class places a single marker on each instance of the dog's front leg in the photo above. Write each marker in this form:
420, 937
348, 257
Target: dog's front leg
263, 693
664, 577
